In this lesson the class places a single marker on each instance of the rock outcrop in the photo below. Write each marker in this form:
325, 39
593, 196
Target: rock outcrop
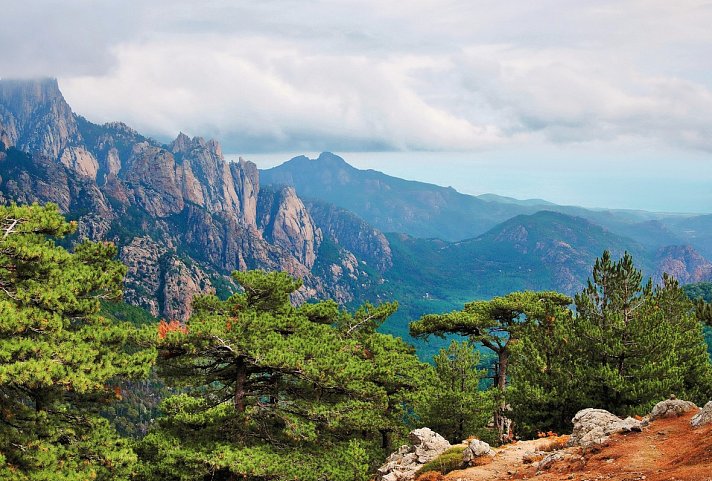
475, 451
181, 214
408, 459
703, 417
594, 426
684, 263
671, 408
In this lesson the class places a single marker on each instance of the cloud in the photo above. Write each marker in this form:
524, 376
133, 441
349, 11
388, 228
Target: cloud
374, 75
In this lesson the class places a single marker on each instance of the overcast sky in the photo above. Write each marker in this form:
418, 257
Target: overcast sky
507, 85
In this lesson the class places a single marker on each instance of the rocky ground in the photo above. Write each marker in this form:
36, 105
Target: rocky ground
665, 450
673, 442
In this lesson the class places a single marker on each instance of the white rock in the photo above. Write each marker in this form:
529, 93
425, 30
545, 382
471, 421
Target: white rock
476, 449
593, 426
703, 417
402, 464
671, 408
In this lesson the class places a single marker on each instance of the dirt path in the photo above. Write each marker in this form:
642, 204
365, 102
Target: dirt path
507, 461
666, 450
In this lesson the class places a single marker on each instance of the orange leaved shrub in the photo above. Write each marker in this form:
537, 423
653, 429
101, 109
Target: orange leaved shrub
173, 326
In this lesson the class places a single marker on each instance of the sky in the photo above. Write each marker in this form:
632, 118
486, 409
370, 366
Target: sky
593, 102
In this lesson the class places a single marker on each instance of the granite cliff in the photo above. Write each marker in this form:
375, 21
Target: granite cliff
182, 215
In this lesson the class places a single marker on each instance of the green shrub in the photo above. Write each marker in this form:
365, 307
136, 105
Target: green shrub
448, 461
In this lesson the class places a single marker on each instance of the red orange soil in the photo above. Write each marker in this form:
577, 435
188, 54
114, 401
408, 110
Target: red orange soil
666, 450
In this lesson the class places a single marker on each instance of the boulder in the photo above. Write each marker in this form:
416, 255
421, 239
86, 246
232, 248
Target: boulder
476, 449
593, 426
703, 417
671, 408
572, 460
408, 459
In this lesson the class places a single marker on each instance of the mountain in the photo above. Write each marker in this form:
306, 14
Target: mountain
425, 210
388, 203
182, 216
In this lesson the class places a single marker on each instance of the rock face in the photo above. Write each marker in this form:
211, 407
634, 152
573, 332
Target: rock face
703, 417
593, 426
36, 118
408, 459
684, 263
182, 216
671, 408
475, 450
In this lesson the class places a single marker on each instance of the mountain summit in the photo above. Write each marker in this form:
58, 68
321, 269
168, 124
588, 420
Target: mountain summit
184, 218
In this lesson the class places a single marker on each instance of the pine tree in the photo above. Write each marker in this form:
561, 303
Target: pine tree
395, 369
57, 355
272, 391
544, 391
637, 344
495, 324
454, 405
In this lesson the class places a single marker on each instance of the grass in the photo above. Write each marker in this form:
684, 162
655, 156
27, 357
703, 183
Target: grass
449, 460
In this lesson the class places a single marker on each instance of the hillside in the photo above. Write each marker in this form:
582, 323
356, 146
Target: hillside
666, 450
389, 203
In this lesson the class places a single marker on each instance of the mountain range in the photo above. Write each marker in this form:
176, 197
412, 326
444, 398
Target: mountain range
183, 218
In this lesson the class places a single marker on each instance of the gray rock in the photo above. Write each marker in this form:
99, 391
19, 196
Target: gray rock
671, 408
703, 417
402, 464
476, 449
594, 426
557, 457
549, 460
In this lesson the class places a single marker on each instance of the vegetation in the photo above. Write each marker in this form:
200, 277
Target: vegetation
635, 343
628, 346
253, 387
57, 355
448, 461
495, 324
270, 391
454, 405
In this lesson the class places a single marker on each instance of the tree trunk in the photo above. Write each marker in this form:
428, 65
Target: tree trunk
385, 439
240, 385
501, 422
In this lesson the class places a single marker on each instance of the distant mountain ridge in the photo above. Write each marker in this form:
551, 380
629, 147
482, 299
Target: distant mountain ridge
427, 210
184, 218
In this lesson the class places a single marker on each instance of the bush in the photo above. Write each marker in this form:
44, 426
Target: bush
448, 461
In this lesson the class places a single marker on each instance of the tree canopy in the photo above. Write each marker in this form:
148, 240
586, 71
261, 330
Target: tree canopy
272, 391
57, 355
495, 324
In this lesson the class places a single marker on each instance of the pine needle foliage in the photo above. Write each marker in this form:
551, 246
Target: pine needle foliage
273, 391
57, 355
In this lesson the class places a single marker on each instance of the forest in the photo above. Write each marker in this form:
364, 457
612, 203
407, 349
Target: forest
254, 387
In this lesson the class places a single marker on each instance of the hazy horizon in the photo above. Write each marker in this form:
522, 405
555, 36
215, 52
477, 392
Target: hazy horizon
586, 187
597, 103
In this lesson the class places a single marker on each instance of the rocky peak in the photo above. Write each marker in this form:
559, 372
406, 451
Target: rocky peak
181, 144
286, 222
246, 179
36, 118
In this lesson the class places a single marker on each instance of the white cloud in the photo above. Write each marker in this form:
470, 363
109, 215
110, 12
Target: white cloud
427, 74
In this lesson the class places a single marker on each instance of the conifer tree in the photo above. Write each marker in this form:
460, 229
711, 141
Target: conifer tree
544, 390
637, 344
395, 369
495, 324
454, 405
274, 392
57, 355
